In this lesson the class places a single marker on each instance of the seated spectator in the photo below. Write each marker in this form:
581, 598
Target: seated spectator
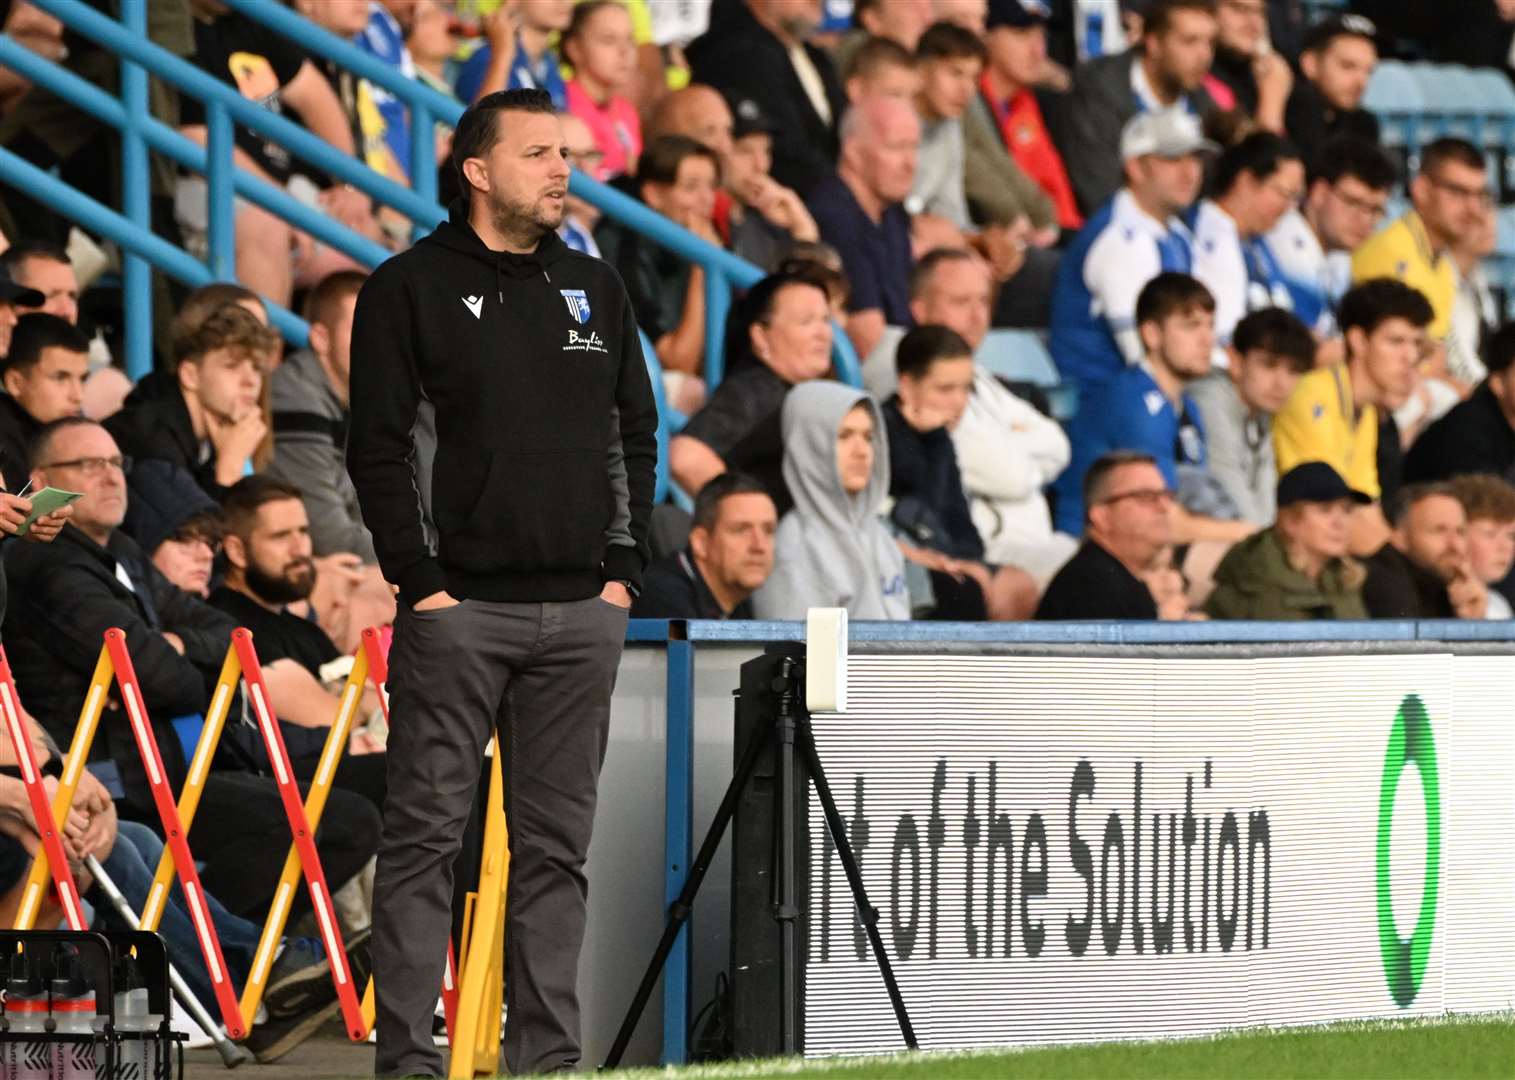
310, 416
949, 59
832, 549
756, 217
930, 510
1147, 408
517, 53
269, 571
860, 212
678, 178
900, 21
579, 217
729, 555
1255, 183
96, 577
1164, 73
1337, 60
761, 52
211, 423
1299, 568
1349, 186
1333, 413
788, 342
1473, 309
880, 68
1269, 351
1008, 451
1489, 503
44, 381
272, 257
1127, 530
175, 524
1450, 196
1478, 435
1132, 239
1017, 57
1423, 571
432, 45
600, 46
45, 266
1248, 74
13, 299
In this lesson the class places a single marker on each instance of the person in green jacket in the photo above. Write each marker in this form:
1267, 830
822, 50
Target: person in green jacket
1299, 567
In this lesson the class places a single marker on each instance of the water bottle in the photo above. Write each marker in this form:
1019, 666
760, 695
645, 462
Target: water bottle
136, 1058
26, 1014
73, 1008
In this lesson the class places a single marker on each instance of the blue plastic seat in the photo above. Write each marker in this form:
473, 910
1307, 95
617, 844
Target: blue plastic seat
1395, 95
1022, 356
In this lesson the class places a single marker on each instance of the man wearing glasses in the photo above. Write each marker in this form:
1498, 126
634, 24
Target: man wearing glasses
1349, 187
1128, 527
1450, 197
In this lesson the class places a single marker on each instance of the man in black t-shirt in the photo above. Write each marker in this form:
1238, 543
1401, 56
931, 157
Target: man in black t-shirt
274, 72
1127, 504
269, 568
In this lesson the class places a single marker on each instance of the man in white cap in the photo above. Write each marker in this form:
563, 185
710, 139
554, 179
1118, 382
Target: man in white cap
1126, 243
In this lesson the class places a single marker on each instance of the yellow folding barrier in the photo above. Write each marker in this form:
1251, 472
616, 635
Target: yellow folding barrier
476, 1036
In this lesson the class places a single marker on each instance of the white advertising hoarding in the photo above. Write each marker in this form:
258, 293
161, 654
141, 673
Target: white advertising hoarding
1070, 849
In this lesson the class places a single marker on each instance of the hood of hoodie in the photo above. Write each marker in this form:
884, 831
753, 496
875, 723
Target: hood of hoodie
457, 234
813, 413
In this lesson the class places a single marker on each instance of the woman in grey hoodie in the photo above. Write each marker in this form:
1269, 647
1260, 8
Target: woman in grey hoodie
832, 549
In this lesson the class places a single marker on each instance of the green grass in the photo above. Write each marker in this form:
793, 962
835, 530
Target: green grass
1461, 1047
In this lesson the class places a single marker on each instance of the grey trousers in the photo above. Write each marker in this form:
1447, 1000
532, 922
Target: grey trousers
542, 675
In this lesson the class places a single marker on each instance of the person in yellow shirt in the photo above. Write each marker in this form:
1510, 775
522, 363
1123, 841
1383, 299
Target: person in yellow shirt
1332, 415
1451, 197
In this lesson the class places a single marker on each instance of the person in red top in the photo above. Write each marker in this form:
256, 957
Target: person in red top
1017, 41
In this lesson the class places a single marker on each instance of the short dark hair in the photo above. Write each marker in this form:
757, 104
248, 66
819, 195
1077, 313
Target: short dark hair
1368, 305
479, 129
758, 304
330, 292
38, 331
1171, 293
949, 41
663, 157
707, 504
1485, 497
1498, 349
1437, 153
33, 248
1159, 14
1278, 333
875, 53
42, 442
1262, 153
239, 509
925, 268
818, 261
1352, 155
230, 327
1097, 479
924, 346
1411, 495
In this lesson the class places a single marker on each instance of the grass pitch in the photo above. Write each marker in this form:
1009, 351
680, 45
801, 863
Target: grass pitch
1470, 1047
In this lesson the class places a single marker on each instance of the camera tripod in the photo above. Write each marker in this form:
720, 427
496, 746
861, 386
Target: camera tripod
790, 727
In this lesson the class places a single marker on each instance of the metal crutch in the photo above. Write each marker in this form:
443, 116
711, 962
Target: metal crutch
231, 1054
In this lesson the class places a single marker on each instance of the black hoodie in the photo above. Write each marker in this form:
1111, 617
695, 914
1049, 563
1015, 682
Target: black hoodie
543, 477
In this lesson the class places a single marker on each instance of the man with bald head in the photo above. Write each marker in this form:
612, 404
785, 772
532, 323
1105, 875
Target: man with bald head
757, 217
860, 212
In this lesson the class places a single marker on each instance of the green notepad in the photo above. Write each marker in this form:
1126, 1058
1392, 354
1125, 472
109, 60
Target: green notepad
44, 502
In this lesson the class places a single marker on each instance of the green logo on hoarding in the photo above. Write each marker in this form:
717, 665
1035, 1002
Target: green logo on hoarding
1410, 743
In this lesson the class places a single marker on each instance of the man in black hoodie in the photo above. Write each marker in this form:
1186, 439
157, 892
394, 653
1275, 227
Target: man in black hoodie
542, 488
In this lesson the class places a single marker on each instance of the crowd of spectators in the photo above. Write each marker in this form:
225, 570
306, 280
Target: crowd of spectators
1271, 402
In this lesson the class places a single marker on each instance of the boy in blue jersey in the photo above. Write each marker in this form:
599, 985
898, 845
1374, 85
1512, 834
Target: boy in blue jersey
1129, 241
1145, 408
1254, 184
1349, 185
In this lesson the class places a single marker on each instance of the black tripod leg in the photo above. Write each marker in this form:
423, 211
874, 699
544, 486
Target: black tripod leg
866, 911
679, 910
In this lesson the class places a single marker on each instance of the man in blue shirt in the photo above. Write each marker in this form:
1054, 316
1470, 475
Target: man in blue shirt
1145, 407
1129, 241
